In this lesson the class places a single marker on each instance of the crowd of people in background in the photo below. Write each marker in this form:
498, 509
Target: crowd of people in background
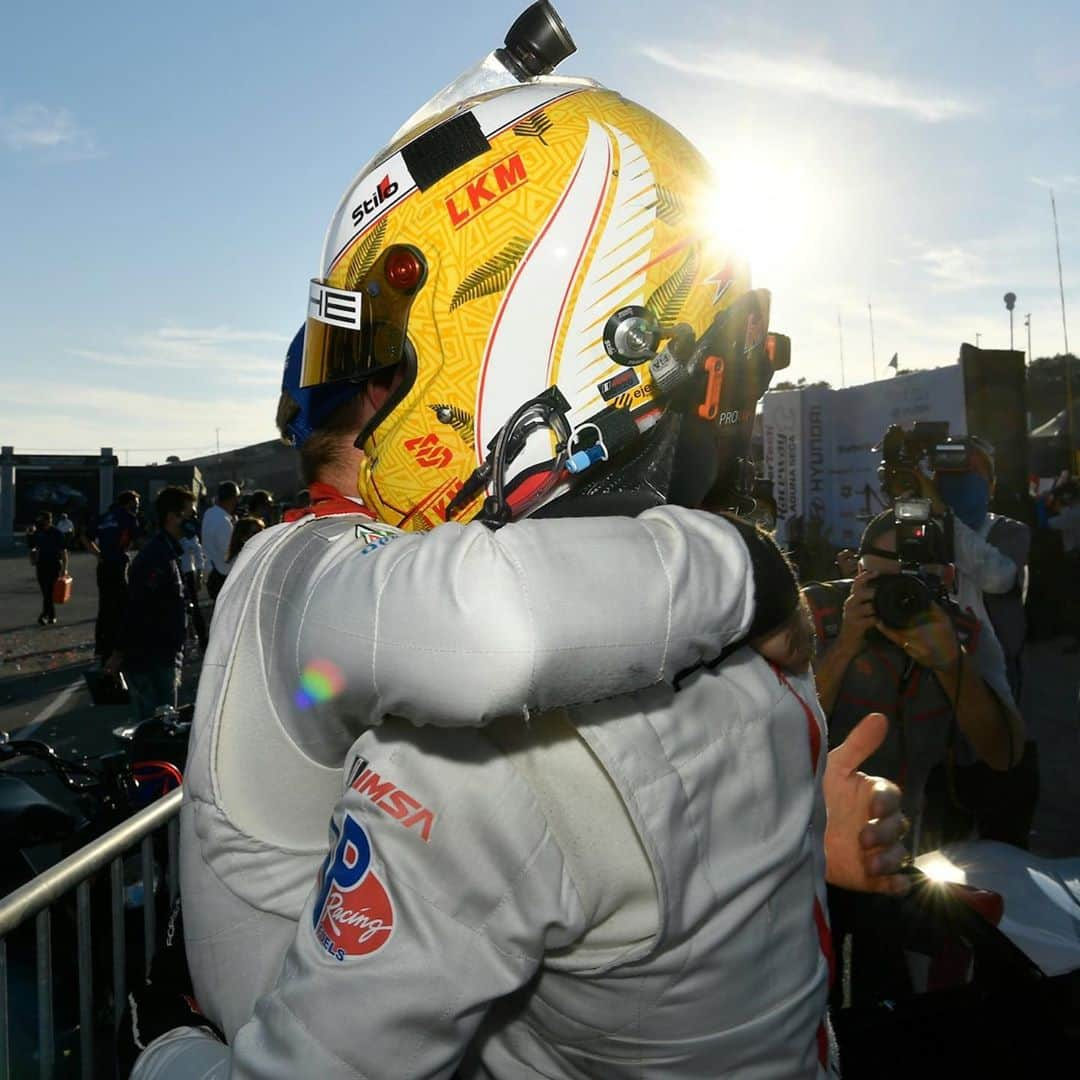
150, 577
951, 678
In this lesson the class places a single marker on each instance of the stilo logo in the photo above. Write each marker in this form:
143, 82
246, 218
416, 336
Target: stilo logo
353, 915
429, 452
486, 188
386, 187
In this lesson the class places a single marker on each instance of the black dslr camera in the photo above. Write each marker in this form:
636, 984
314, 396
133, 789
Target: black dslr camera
903, 453
900, 600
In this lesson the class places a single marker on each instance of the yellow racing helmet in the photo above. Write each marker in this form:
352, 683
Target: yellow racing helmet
537, 260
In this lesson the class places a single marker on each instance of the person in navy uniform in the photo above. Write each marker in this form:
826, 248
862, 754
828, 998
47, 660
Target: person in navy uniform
115, 536
155, 617
49, 555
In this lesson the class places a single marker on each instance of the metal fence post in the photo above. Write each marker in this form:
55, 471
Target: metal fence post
174, 859
148, 903
116, 875
5, 1047
86, 982
46, 1047
74, 874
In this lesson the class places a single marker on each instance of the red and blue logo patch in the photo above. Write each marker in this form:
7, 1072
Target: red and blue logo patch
353, 915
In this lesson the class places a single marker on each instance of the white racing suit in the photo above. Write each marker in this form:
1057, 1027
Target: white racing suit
632, 887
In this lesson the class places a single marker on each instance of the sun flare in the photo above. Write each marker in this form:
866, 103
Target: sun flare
770, 211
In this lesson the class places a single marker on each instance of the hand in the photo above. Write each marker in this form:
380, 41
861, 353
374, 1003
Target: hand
931, 641
863, 848
791, 646
114, 664
859, 614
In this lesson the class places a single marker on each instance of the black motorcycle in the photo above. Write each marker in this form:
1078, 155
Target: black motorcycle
51, 805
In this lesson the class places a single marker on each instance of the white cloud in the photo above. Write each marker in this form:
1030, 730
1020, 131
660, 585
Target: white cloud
954, 267
218, 353
46, 130
141, 426
815, 76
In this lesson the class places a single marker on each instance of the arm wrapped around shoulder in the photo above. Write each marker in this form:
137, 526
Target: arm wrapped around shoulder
776, 592
462, 625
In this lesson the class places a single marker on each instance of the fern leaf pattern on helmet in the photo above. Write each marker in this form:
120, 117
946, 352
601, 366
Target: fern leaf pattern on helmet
534, 126
491, 276
667, 301
363, 258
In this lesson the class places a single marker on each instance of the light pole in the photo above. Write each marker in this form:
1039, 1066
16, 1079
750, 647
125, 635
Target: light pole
1027, 323
1010, 303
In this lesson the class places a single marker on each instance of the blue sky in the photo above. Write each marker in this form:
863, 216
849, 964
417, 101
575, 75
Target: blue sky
167, 174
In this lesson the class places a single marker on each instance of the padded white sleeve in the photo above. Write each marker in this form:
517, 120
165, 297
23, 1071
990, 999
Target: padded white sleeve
991, 570
462, 624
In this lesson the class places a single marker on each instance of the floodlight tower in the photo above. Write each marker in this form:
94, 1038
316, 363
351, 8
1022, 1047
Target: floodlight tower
1010, 303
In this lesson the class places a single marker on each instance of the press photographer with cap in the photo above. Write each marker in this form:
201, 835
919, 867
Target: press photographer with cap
892, 640
930, 676
924, 647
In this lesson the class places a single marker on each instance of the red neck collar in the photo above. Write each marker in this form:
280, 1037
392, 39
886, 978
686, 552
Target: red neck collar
326, 500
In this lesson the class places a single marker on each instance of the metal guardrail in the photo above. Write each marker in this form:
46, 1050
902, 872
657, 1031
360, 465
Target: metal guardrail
35, 899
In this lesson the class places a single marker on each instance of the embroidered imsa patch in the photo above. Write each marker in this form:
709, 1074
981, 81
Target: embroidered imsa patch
390, 799
353, 915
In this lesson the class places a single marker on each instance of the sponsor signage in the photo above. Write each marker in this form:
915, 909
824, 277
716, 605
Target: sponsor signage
818, 444
485, 189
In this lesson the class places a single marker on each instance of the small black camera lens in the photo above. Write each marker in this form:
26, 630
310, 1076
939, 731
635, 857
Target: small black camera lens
539, 41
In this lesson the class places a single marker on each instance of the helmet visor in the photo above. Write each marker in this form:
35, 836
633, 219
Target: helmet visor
350, 335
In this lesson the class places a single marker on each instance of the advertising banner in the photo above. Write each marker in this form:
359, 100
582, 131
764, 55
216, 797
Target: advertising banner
782, 439
818, 444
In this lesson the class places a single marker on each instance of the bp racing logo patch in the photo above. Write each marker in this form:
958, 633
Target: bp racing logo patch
353, 915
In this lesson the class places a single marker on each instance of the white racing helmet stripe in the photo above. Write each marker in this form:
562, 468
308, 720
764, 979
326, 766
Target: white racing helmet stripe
517, 358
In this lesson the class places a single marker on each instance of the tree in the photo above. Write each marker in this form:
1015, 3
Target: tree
802, 384
1046, 386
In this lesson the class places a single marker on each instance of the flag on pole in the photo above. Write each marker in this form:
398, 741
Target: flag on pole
895, 361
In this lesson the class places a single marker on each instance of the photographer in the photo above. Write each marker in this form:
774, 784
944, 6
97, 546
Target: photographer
961, 481
921, 676
944, 698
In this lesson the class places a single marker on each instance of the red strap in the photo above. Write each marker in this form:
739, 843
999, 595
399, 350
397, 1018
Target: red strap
823, 1046
812, 729
326, 501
